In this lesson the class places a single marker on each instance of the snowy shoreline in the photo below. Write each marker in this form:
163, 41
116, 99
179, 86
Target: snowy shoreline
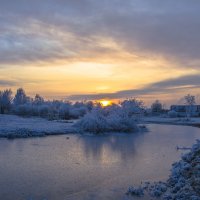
183, 182
12, 126
173, 121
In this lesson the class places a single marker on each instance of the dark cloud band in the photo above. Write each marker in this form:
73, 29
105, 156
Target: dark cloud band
162, 87
35, 31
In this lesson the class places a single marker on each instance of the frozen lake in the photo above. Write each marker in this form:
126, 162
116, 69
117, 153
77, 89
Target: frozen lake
89, 167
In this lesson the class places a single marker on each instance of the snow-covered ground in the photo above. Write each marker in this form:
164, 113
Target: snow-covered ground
15, 126
175, 121
183, 183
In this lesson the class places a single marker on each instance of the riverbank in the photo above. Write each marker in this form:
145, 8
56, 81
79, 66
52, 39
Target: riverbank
183, 182
173, 121
12, 126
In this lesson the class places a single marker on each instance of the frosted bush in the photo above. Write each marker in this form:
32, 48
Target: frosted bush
101, 120
23, 110
135, 191
75, 113
172, 114
121, 122
43, 110
94, 122
64, 110
133, 107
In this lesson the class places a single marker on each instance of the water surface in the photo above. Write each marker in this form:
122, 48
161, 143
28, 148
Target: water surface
88, 167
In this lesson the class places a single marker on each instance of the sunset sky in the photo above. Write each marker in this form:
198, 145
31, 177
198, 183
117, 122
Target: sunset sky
90, 49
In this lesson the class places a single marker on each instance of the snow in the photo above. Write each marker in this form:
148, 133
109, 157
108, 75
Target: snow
183, 183
176, 121
15, 126
136, 191
107, 120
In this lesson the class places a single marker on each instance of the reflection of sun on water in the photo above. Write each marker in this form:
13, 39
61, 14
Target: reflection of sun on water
105, 103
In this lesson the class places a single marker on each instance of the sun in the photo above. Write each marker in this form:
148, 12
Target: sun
105, 103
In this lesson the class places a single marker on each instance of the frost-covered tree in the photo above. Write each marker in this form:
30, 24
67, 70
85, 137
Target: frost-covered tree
38, 100
43, 110
156, 107
5, 101
190, 101
89, 105
20, 97
64, 111
133, 106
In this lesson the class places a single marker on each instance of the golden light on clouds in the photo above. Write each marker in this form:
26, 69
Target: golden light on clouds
103, 66
69, 78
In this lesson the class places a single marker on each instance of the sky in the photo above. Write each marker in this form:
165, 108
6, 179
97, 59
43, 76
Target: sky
90, 49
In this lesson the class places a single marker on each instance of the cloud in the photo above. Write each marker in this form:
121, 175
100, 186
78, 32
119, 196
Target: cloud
7, 83
48, 30
182, 83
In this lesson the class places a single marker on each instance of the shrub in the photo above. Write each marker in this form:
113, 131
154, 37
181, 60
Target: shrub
101, 120
94, 122
172, 114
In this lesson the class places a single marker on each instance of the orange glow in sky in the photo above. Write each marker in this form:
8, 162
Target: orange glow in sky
136, 51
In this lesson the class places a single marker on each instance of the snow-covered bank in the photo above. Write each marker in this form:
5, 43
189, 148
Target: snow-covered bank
183, 183
174, 121
12, 126
15, 126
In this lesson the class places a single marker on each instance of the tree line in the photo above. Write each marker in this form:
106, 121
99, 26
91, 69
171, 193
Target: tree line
21, 104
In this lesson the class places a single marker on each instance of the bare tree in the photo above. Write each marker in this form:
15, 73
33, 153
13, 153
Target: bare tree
157, 107
190, 101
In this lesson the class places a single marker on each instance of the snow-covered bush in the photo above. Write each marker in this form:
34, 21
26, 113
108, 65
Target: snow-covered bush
110, 119
89, 105
172, 114
43, 110
64, 110
75, 113
94, 122
133, 107
24, 110
135, 191
120, 121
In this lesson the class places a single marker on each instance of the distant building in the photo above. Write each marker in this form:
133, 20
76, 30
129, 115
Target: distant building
183, 110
